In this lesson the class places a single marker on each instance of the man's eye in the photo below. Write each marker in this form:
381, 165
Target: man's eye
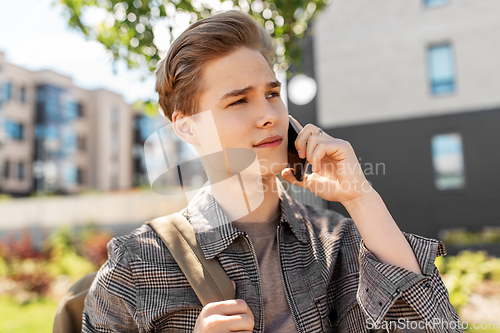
274, 94
237, 102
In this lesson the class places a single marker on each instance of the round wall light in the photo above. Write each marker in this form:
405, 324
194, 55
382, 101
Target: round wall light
301, 89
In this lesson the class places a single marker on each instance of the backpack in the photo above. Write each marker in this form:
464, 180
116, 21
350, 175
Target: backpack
207, 277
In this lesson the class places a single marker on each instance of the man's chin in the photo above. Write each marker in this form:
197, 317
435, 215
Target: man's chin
274, 170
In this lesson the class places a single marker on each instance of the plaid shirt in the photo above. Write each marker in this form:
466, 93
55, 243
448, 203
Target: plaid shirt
333, 283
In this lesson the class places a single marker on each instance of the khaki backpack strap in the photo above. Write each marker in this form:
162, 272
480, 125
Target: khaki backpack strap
68, 317
207, 277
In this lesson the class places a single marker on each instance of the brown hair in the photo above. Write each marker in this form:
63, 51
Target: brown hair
178, 77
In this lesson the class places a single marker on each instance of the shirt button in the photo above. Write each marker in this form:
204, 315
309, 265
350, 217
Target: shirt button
427, 285
380, 303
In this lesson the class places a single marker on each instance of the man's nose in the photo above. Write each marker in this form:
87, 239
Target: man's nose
268, 114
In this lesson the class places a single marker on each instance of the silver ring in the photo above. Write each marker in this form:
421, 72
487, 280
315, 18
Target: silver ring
320, 131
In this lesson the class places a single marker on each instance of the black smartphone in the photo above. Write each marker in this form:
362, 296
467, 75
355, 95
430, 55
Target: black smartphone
298, 164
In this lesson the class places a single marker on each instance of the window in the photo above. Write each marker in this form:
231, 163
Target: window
80, 143
441, 69
51, 106
20, 170
435, 3
70, 111
7, 91
448, 161
40, 95
6, 169
69, 175
14, 130
22, 95
69, 142
79, 108
114, 134
79, 176
115, 117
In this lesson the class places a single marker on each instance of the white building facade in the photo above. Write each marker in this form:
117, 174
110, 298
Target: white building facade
376, 59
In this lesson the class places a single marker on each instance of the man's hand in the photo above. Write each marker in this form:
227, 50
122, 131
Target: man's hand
337, 174
226, 316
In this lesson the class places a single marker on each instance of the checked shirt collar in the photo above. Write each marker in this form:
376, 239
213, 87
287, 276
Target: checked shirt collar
214, 231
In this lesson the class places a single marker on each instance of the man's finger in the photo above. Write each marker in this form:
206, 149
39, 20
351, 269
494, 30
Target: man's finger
287, 174
239, 322
228, 307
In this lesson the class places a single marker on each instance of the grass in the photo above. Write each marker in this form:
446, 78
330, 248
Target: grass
34, 317
479, 330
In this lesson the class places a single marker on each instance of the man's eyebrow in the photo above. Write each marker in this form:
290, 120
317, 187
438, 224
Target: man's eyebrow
243, 91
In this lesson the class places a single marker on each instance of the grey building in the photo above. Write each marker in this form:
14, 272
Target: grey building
414, 86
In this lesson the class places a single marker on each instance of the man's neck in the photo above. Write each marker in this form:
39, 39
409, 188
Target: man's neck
270, 206
227, 198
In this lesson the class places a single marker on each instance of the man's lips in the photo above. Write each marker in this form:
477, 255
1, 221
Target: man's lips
270, 144
270, 141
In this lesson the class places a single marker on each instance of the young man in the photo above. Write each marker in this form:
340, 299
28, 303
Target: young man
296, 268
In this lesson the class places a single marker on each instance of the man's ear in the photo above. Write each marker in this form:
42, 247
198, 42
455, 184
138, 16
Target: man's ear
183, 127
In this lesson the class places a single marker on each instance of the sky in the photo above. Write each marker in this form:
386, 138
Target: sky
35, 35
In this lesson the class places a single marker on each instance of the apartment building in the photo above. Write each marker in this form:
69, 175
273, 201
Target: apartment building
59, 138
17, 126
414, 86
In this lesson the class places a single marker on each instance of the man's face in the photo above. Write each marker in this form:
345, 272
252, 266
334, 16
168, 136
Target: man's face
244, 96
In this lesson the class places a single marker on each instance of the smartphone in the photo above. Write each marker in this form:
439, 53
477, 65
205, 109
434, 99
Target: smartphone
299, 165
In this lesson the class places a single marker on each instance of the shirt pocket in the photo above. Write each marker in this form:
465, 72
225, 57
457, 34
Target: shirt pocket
181, 321
166, 300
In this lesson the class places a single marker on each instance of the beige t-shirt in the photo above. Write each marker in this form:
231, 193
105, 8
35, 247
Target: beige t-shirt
277, 315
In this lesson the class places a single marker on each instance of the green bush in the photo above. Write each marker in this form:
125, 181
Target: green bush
487, 235
463, 272
64, 259
5, 197
35, 270
92, 244
3, 267
22, 263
